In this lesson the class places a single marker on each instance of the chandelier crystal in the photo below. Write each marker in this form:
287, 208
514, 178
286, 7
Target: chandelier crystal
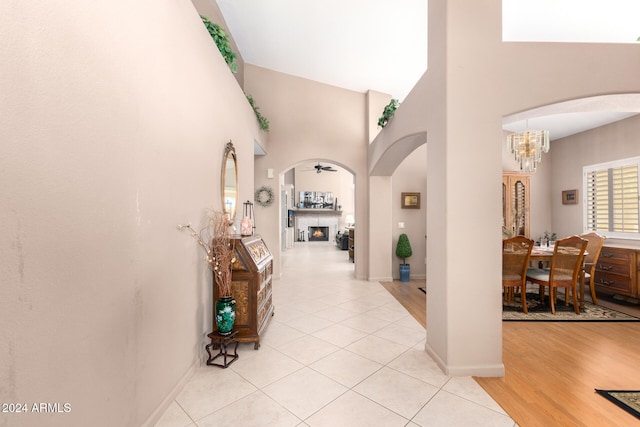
527, 147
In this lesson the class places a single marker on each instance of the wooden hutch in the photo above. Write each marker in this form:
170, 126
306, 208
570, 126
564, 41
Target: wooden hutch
515, 203
251, 286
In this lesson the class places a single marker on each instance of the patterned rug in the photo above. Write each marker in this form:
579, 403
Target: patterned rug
541, 312
629, 400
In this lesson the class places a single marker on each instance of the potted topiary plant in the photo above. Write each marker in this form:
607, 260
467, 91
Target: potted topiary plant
403, 250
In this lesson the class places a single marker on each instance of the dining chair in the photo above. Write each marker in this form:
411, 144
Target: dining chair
516, 252
566, 263
594, 247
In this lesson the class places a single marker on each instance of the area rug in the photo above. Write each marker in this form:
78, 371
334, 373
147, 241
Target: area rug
629, 400
541, 312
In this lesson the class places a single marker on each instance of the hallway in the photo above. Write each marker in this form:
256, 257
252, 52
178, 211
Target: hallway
338, 352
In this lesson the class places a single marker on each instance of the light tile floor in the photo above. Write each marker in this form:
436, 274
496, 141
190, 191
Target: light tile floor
338, 352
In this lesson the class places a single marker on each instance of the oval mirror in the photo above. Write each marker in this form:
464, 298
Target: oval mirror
230, 182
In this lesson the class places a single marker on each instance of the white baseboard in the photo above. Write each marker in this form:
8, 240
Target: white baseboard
465, 371
381, 279
166, 402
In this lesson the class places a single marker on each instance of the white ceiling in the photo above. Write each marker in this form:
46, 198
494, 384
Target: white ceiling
354, 44
566, 124
382, 45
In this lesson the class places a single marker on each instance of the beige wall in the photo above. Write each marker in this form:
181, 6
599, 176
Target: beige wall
211, 10
411, 176
339, 183
114, 118
459, 103
539, 189
309, 121
561, 169
376, 101
569, 155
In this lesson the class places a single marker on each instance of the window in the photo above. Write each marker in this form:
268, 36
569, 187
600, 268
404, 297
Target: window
612, 202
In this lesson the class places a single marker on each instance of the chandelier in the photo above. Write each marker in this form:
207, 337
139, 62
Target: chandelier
527, 147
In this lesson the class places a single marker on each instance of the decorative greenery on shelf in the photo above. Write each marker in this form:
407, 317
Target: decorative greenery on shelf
222, 41
389, 111
264, 123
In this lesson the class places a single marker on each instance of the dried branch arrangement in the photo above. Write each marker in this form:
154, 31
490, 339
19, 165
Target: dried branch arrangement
215, 240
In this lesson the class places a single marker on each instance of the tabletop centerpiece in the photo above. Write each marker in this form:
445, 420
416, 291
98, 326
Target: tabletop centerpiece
220, 256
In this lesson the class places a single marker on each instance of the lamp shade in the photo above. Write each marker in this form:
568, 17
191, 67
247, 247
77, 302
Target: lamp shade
350, 220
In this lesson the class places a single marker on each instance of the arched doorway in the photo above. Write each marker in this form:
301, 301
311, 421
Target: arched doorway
317, 205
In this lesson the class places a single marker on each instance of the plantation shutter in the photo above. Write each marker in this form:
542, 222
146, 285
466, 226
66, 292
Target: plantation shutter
612, 202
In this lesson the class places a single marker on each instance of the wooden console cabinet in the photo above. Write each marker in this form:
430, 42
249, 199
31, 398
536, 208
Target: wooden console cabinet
617, 271
352, 244
251, 286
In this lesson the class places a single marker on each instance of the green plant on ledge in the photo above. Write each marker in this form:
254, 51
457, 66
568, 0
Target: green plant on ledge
222, 41
389, 111
264, 123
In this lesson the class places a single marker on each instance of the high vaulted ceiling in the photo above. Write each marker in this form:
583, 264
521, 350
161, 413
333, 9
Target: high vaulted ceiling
382, 45
354, 44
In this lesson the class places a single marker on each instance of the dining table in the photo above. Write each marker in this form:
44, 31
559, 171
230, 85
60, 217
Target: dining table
544, 254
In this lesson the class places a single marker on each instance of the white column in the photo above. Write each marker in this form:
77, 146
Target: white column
380, 236
464, 323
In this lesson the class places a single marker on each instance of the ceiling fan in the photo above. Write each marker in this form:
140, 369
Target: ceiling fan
319, 168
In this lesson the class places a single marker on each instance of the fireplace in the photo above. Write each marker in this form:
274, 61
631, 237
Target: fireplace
318, 234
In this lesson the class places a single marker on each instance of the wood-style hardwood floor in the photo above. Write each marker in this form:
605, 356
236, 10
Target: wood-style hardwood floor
552, 368
412, 298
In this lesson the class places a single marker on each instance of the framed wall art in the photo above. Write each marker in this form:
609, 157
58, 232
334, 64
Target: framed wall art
410, 200
570, 197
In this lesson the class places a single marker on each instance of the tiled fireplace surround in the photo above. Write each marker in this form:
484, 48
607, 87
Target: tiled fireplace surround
307, 218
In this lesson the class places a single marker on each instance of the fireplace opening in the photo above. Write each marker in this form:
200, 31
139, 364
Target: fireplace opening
318, 234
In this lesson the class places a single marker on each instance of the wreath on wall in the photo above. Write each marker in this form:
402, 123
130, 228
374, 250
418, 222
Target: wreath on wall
264, 196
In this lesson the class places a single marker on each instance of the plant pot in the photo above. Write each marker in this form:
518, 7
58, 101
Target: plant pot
225, 315
405, 270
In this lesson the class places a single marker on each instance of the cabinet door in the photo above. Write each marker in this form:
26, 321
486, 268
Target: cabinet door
515, 204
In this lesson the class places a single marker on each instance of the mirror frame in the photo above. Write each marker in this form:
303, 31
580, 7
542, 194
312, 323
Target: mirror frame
229, 154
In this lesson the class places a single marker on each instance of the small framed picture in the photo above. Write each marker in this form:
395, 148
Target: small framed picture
570, 197
410, 200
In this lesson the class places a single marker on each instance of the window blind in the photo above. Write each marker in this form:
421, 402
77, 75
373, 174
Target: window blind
612, 202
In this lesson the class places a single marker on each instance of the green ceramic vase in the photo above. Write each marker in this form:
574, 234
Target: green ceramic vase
225, 315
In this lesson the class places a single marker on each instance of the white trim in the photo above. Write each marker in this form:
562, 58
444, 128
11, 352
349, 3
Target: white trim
600, 166
465, 371
173, 394
612, 164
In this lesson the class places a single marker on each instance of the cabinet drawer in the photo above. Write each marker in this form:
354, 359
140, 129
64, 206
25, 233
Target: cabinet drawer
264, 292
614, 283
616, 255
614, 268
263, 312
